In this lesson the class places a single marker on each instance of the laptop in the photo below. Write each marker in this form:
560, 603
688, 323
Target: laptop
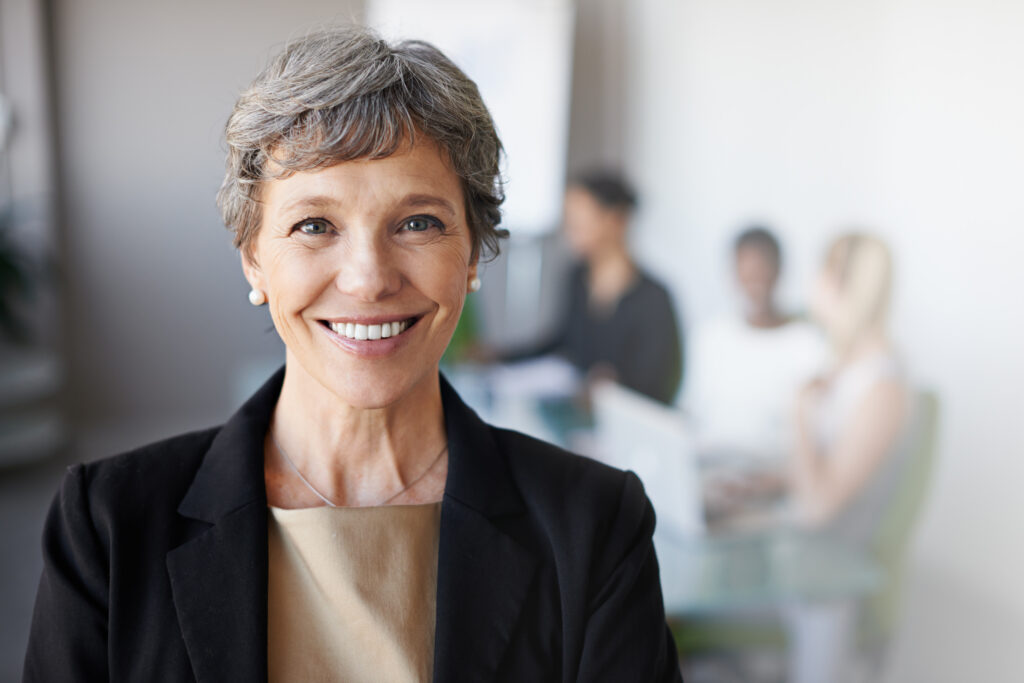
634, 432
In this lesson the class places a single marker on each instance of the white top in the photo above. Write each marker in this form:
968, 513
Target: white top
742, 382
846, 392
858, 521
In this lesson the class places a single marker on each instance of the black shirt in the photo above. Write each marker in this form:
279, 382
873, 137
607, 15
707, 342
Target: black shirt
638, 337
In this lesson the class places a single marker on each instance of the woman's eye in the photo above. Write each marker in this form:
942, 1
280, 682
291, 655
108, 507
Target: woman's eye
421, 224
313, 226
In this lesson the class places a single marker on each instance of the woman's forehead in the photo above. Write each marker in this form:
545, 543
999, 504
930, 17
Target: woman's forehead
415, 175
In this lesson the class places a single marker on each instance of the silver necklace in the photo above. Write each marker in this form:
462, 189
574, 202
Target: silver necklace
331, 503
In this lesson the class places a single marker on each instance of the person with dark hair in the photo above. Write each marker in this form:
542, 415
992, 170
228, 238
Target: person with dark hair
618, 322
758, 260
746, 368
609, 188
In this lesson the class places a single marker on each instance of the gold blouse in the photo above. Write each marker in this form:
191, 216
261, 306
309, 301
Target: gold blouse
352, 593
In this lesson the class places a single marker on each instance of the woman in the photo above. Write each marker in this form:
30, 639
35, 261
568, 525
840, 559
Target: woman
849, 454
354, 520
619, 322
746, 367
848, 422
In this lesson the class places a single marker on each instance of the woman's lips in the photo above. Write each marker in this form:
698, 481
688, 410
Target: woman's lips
370, 338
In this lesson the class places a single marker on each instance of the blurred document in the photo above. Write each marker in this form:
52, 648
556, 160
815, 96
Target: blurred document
545, 377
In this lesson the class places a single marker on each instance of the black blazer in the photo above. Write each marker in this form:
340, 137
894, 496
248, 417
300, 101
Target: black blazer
156, 563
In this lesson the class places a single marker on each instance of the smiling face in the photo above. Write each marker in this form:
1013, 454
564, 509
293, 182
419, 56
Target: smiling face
366, 265
757, 273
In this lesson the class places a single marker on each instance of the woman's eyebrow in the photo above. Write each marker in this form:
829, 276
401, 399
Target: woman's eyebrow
409, 201
314, 202
422, 200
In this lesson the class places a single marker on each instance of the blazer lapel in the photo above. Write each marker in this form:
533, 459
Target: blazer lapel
483, 575
219, 584
219, 577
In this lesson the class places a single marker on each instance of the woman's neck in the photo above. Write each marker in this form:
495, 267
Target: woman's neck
610, 273
354, 456
766, 318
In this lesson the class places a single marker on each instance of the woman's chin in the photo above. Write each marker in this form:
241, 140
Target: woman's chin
367, 389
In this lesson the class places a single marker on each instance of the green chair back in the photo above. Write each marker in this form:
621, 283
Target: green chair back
890, 544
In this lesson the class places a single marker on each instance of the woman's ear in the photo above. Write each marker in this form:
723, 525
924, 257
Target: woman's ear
252, 271
473, 284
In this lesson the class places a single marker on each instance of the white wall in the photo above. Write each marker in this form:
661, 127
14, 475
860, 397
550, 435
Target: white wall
904, 116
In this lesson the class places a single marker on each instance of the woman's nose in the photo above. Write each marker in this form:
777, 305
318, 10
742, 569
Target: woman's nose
367, 271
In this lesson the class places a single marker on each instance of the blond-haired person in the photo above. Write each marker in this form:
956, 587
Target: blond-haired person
354, 520
850, 426
849, 421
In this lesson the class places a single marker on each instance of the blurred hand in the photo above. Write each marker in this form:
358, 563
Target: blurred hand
602, 372
599, 374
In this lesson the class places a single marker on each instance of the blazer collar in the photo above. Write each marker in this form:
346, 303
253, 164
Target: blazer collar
478, 475
219, 578
484, 575
231, 474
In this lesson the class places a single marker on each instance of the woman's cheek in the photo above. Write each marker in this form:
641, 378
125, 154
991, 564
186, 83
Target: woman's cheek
824, 301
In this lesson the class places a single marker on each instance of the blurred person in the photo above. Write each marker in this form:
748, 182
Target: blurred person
848, 421
746, 367
354, 520
618, 321
850, 424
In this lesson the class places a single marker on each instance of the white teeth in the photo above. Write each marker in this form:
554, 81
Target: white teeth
362, 332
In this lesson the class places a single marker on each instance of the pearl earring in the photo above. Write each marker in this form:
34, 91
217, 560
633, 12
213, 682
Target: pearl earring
257, 297
475, 284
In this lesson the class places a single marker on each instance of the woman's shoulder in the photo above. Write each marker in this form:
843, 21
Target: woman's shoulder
529, 455
571, 489
158, 469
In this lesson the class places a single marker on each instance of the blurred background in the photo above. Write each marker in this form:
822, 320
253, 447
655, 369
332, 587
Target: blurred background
124, 314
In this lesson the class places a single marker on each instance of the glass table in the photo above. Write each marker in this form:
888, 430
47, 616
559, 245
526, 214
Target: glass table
728, 573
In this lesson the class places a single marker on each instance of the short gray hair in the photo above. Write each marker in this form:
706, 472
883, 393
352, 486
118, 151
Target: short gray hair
343, 94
